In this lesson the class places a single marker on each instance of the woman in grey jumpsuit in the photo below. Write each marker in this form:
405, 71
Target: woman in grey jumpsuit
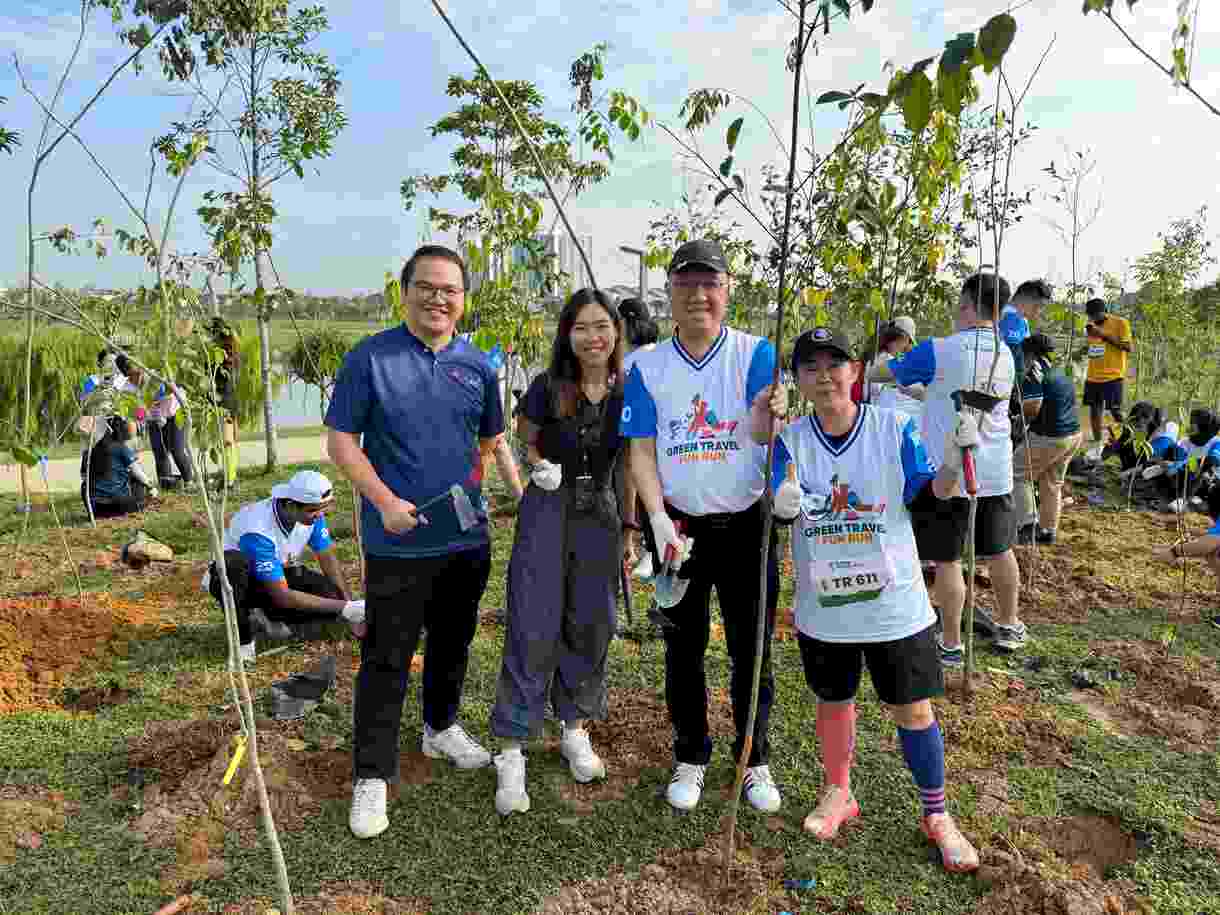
564, 571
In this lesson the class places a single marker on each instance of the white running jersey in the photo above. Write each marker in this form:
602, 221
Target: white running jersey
858, 576
962, 362
256, 523
698, 411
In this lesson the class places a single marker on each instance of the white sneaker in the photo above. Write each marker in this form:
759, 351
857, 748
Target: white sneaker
685, 786
246, 652
643, 568
368, 818
1177, 506
575, 747
760, 789
455, 745
510, 783
1093, 455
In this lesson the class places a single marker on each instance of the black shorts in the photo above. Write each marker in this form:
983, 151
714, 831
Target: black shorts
1104, 395
942, 526
903, 672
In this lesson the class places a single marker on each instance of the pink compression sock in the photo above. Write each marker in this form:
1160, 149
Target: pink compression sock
836, 730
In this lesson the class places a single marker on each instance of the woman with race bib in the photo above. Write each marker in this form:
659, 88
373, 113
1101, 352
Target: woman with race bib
849, 476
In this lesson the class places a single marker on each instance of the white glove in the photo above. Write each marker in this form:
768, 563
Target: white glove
1152, 471
787, 503
353, 611
965, 434
547, 476
154, 493
666, 535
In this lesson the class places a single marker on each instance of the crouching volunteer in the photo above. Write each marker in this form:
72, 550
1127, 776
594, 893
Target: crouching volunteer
851, 476
564, 571
1206, 547
263, 544
415, 411
112, 478
687, 406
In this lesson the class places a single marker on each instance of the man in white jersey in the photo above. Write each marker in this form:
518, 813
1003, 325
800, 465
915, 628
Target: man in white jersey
947, 365
263, 546
687, 407
852, 477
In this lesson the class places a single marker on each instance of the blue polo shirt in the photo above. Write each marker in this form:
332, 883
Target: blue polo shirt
1014, 328
421, 414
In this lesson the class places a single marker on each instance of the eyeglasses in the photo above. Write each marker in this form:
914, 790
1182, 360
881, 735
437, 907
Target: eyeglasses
688, 285
428, 291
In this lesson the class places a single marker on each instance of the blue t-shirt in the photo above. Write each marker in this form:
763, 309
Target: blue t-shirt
1058, 416
265, 561
422, 415
116, 482
1014, 329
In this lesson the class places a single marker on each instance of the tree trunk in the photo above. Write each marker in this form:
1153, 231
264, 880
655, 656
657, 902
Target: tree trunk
264, 328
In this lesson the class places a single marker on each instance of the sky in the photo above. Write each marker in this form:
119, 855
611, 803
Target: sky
343, 226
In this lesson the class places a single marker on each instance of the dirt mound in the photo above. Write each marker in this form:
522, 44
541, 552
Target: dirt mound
1172, 697
26, 815
92, 698
327, 774
1021, 888
1095, 842
191, 810
680, 882
337, 899
44, 639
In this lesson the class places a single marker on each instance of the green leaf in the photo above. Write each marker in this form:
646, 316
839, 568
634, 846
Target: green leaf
24, 455
874, 99
734, 129
957, 52
995, 38
917, 103
866, 5
722, 196
832, 96
844, 7
726, 166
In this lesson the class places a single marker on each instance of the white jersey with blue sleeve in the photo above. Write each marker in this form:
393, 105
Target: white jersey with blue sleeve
257, 533
698, 412
858, 576
963, 362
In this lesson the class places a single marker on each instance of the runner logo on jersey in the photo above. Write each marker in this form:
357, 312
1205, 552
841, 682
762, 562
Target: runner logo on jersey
701, 434
840, 516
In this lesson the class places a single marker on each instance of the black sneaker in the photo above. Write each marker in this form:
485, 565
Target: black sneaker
1044, 536
1026, 535
984, 624
272, 629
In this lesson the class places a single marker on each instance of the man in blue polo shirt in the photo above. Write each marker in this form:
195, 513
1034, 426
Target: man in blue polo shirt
428, 407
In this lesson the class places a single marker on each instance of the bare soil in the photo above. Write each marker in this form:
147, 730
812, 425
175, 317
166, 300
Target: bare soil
27, 815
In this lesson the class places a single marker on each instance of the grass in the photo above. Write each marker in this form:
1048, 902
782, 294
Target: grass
446, 845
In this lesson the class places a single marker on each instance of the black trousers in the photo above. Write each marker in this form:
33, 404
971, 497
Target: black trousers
116, 506
402, 597
249, 593
167, 440
725, 556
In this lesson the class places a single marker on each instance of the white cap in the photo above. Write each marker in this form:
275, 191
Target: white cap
306, 486
906, 325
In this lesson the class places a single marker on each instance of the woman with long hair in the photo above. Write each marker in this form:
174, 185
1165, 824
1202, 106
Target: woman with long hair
117, 483
561, 609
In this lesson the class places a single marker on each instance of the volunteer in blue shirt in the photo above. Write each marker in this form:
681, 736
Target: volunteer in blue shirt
1019, 316
851, 476
1048, 399
687, 407
1206, 547
272, 590
427, 406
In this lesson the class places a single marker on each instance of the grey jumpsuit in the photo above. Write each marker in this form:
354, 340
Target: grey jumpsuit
563, 574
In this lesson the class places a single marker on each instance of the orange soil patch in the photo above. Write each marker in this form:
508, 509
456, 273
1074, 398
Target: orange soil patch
43, 639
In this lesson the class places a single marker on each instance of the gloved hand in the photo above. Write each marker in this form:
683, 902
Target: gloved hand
787, 502
965, 434
1036, 371
1152, 471
353, 611
547, 476
154, 493
666, 535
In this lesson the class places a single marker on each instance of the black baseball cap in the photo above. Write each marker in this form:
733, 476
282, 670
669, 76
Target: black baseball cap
702, 252
820, 338
1095, 307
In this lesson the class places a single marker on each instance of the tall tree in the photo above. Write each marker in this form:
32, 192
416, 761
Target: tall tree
284, 111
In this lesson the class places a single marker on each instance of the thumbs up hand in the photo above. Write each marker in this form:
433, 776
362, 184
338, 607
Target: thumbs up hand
787, 503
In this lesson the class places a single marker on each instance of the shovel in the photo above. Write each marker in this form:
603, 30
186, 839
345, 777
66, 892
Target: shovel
670, 588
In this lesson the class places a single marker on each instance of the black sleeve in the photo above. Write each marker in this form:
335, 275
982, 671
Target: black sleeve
536, 405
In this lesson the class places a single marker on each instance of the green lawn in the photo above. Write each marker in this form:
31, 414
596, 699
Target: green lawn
448, 852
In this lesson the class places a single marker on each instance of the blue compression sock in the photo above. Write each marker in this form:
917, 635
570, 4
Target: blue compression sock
925, 755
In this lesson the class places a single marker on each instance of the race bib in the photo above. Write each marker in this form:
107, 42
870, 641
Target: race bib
848, 581
1097, 350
